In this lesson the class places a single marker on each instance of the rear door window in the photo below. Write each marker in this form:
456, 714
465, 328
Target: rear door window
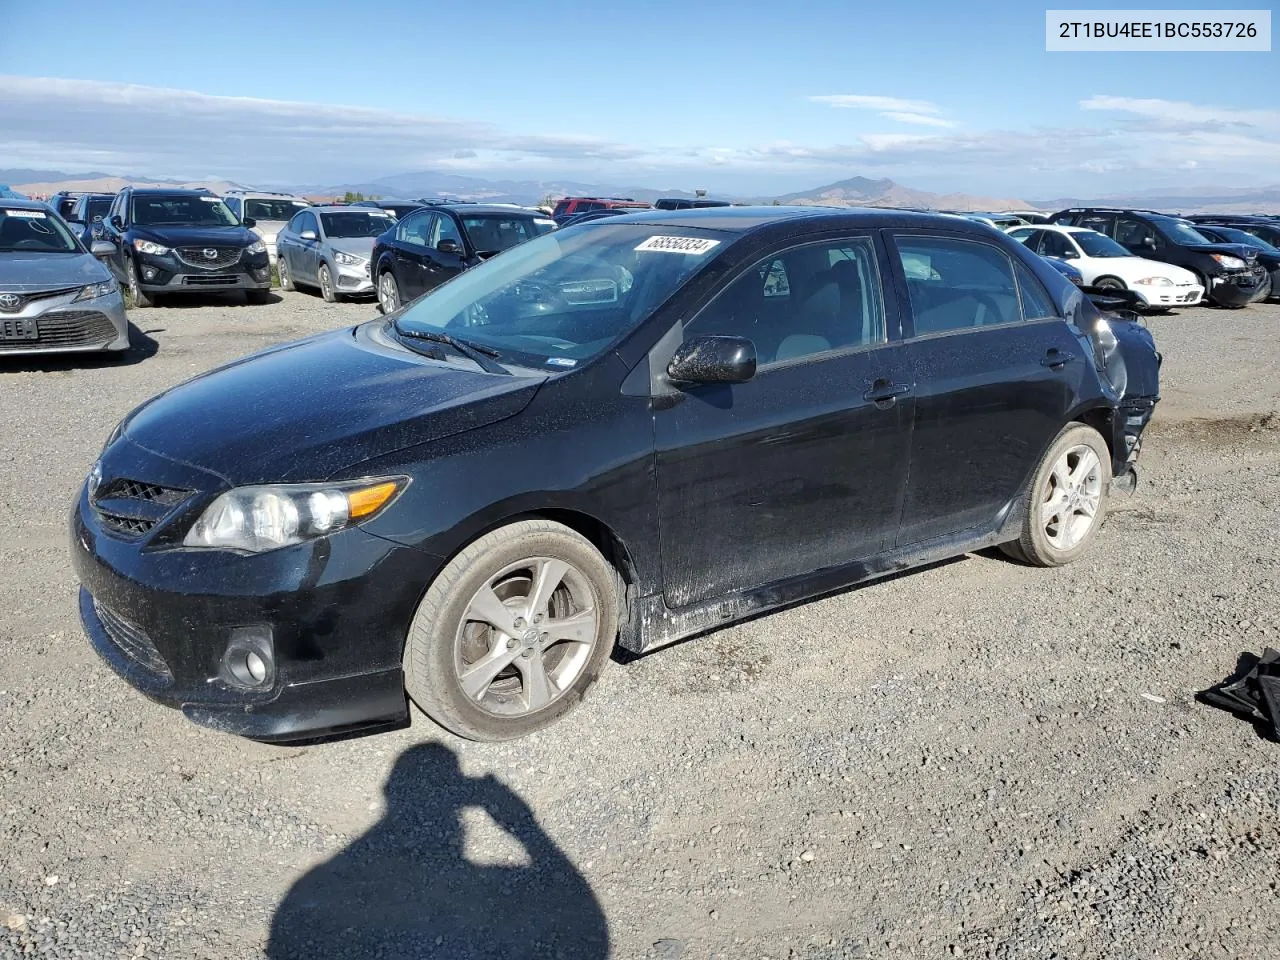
957, 284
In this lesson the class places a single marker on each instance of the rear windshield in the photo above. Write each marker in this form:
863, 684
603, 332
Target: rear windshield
33, 231
273, 209
352, 224
97, 209
182, 211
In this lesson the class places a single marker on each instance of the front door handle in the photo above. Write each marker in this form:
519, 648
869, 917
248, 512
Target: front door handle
1056, 359
884, 393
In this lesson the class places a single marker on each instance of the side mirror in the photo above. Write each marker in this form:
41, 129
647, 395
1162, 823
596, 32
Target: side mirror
713, 360
449, 246
249, 222
308, 235
1149, 242
1070, 255
100, 248
116, 222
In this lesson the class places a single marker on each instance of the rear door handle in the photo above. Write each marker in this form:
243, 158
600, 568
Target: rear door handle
1055, 359
884, 393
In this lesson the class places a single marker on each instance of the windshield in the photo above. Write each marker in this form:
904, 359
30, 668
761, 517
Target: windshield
97, 209
1232, 235
493, 233
34, 231
564, 297
1181, 232
273, 209
352, 224
182, 211
1094, 244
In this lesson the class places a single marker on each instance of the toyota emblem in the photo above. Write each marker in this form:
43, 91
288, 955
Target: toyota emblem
10, 302
210, 253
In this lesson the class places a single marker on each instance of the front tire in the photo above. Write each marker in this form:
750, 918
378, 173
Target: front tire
513, 632
282, 270
1109, 283
1066, 502
137, 297
326, 285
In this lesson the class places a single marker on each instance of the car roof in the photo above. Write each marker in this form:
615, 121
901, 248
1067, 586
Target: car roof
169, 192
340, 208
750, 219
474, 208
23, 204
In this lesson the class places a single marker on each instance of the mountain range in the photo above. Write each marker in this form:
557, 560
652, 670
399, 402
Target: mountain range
855, 191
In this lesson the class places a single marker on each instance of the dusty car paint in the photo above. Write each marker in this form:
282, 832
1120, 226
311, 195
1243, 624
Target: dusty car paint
714, 501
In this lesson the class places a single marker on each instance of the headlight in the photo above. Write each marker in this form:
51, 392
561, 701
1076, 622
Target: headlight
256, 247
258, 519
349, 259
95, 290
1228, 261
146, 246
1155, 282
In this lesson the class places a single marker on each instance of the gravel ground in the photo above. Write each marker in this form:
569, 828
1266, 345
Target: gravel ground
978, 759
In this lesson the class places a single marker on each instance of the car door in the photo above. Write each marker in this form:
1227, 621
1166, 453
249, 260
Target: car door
441, 265
996, 371
287, 242
1060, 247
306, 260
113, 233
409, 251
1141, 239
802, 467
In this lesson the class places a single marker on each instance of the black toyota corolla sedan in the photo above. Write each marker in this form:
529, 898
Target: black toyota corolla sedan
626, 432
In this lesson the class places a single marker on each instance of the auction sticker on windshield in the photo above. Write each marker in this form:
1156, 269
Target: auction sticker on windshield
693, 245
30, 214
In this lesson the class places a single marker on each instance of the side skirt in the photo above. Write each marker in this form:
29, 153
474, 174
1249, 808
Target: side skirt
657, 625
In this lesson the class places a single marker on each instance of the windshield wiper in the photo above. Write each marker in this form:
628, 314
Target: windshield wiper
480, 355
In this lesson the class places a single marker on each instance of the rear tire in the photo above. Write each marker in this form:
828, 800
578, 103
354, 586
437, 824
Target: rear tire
1066, 501
137, 297
485, 681
326, 285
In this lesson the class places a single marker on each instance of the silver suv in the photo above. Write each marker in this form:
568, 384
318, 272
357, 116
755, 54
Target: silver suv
270, 211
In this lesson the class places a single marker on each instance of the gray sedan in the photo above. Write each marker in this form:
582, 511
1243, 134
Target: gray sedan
328, 248
54, 295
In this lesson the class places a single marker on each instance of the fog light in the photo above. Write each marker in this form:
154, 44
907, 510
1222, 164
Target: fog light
248, 661
149, 273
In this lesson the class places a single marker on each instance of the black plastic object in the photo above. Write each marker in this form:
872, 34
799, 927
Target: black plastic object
1253, 691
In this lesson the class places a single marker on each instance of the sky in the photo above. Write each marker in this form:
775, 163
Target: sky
738, 97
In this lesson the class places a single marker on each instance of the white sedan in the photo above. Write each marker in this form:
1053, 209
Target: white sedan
1105, 265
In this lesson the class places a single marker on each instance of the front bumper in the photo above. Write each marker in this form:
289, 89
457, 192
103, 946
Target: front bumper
352, 279
330, 616
62, 325
169, 274
1175, 295
1236, 289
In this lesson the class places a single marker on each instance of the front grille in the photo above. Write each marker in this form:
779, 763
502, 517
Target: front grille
198, 256
220, 280
133, 642
32, 296
67, 328
128, 526
140, 490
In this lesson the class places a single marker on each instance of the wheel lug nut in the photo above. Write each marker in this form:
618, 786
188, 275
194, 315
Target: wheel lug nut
511, 644
545, 635
519, 623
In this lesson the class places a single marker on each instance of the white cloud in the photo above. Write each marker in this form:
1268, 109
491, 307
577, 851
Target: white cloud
1178, 114
920, 112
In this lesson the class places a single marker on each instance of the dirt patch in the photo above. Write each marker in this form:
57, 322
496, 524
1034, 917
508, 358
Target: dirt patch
1219, 431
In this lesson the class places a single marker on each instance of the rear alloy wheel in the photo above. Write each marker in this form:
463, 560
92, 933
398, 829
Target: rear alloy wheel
137, 297
1067, 500
388, 292
326, 285
513, 632
286, 278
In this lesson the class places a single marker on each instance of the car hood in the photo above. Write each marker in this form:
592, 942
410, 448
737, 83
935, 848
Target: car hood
359, 246
304, 411
196, 236
26, 270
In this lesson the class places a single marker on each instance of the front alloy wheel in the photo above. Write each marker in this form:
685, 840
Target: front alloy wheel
388, 292
137, 297
326, 284
513, 631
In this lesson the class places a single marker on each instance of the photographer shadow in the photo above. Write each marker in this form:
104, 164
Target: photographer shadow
404, 889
